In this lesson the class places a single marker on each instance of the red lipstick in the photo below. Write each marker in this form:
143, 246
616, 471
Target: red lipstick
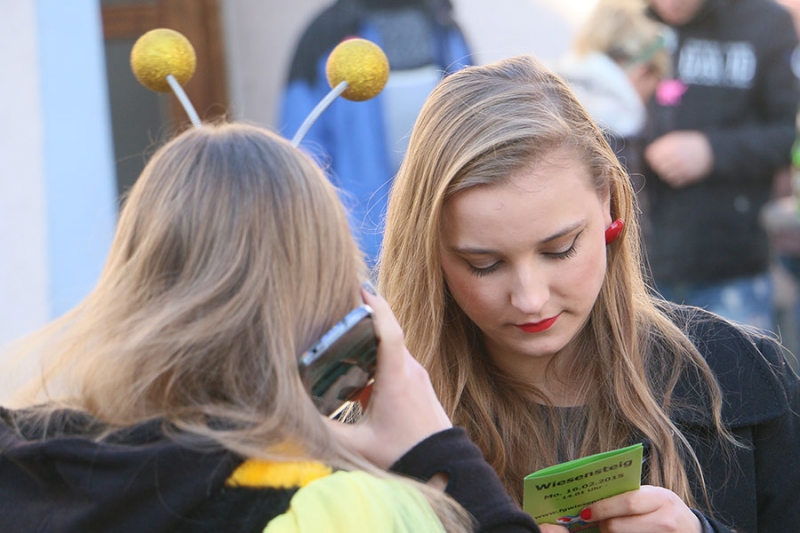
538, 327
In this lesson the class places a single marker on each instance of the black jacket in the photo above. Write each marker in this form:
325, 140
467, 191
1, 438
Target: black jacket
734, 60
140, 479
758, 491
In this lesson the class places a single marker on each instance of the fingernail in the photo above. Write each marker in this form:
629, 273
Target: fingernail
369, 287
586, 514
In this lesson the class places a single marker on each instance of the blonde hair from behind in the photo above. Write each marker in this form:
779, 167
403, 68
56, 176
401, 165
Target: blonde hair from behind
232, 256
622, 30
478, 127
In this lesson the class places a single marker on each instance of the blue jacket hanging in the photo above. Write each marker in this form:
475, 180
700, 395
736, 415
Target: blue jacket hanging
361, 144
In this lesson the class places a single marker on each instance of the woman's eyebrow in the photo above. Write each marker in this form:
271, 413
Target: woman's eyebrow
475, 250
565, 231
468, 250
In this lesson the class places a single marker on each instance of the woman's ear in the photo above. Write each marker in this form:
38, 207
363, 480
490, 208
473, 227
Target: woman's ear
614, 230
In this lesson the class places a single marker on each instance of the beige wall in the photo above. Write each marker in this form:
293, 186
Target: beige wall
24, 302
261, 36
503, 28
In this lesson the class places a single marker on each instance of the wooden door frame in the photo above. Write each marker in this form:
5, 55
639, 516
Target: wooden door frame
200, 22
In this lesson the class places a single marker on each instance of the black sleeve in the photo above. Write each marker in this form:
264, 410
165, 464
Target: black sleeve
471, 481
709, 525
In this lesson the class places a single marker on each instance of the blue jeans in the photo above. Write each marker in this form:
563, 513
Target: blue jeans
745, 300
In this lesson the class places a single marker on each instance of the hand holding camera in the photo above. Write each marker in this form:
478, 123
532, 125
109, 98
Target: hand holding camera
403, 408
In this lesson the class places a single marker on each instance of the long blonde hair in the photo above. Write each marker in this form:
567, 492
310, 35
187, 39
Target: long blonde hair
478, 127
232, 256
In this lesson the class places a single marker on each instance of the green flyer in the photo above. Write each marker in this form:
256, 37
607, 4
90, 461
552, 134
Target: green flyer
557, 494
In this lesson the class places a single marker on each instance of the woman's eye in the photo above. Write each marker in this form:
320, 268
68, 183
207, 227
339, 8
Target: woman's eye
566, 254
482, 271
569, 252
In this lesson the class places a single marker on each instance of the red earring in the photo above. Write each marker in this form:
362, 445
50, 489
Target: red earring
614, 229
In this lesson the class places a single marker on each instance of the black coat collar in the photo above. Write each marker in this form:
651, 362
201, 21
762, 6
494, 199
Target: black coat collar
750, 368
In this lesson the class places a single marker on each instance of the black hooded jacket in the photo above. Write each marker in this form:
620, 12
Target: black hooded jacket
152, 478
753, 487
733, 61
136, 480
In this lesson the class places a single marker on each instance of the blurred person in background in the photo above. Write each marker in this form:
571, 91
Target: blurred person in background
718, 131
616, 62
781, 218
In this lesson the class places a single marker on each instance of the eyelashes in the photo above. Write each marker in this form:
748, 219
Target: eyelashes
483, 271
559, 256
565, 254
569, 252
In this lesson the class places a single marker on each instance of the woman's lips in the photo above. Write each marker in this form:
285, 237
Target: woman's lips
538, 327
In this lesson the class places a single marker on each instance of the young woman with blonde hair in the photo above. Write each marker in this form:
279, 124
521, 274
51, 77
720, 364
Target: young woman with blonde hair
171, 397
512, 261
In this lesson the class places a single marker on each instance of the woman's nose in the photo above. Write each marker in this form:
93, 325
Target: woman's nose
530, 290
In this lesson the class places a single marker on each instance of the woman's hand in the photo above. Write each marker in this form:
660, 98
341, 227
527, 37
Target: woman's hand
646, 510
403, 408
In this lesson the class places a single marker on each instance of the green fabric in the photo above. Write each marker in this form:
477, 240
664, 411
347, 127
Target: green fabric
355, 502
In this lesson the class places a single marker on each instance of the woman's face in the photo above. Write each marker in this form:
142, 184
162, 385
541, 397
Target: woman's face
525, 259
676, 12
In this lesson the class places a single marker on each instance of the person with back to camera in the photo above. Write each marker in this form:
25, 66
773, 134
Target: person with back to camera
719, 131
511, 260
171, 398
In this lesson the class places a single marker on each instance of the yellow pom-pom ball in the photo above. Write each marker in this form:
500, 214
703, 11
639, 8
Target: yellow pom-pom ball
362, 64
160, 52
